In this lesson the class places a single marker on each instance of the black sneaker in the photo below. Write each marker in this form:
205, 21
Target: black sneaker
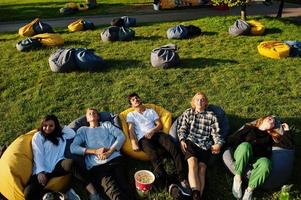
175, 192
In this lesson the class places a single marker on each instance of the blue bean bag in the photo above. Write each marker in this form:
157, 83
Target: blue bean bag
87, 60
295, 47
177, 32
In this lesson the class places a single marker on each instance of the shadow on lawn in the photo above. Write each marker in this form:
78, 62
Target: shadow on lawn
203, 62
121, 64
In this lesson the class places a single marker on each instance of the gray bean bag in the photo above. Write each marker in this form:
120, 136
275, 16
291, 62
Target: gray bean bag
115, 33
165, 56
123, 21
295, 47
41, 27
282, 163
62, 60
177, 32
87, 60
28, 44
239, 27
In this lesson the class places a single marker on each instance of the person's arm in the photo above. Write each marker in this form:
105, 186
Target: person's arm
182, 129
132, 136
68, 133
157, 128
215, 133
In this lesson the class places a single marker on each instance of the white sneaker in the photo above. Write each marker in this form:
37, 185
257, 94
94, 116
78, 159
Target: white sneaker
247, 195
71, 195
236, 188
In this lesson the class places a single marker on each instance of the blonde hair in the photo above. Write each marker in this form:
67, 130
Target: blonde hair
273, 132
197, 94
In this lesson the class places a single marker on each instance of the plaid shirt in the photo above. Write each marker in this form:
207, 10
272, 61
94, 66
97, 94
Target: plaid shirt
201, 128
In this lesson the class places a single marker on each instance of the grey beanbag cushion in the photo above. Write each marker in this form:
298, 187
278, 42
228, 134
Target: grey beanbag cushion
115, 33
240, 27
123, 21
62, 60
28, 44
87, 60
41, 27
177, 32
165, 56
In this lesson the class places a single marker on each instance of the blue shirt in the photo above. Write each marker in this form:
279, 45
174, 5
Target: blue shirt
106, 135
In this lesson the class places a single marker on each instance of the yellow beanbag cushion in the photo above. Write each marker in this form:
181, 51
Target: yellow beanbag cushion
82, 7
16, 169
49, 39
166, 119
27, 30
273, 49
78, 25
256, 27
71, 5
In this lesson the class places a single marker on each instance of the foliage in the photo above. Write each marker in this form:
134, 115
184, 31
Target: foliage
228, 69
230, 3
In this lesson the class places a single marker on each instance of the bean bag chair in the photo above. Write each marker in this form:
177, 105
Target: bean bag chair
239, 27
35, 27
82, 7
193, 30
67, 11
62, 60
87, 60
49, 39
295, 47
166, 119
177, 32
256, 27
273, 49
221, 118
16, 169
28, 44
282, 163
80, 25
114, 33
123, 21
165, 56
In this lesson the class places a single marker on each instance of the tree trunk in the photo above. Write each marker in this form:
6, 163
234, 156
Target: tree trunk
243, 11
91, 3
279, 14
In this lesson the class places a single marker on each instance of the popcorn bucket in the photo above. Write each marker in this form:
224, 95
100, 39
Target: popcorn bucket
144, 180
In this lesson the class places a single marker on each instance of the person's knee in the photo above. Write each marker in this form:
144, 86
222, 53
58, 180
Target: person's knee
68, 164
265, 164
244, 147
192, 163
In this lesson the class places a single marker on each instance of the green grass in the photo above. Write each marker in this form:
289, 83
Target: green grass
228, 69
30, 9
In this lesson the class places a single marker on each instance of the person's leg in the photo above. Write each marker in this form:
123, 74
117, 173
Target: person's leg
150, 149
175, 152
193, 176
33, 190
202, 174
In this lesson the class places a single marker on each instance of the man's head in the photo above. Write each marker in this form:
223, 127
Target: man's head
134, 100
92, 115
199, 101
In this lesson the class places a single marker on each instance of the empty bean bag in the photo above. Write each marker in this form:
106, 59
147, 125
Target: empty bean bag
256, 27
166, 119
115, 33
273, 49
239, 27
123, 21
50, 39
67, 11
28, 44
282, 163
87, 60
221, 118
16, 169
80, 25
295, 47
165, 56
177, 32
193, 30
63, 60
35, 27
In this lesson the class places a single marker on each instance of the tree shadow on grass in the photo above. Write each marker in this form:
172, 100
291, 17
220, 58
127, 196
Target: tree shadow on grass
272, 31
152, 38
209, 33
203, 62
121, 64
77, 42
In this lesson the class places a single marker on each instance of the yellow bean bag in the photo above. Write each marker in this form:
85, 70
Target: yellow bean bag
50, 39
71, 5
273, 49
166, 119
77, 25
16, 169
82, 7
27, 30
257, 28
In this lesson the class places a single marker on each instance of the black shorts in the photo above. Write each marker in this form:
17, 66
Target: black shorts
195, 151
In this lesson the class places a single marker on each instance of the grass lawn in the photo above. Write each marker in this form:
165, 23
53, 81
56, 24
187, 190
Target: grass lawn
228, 69
30, 9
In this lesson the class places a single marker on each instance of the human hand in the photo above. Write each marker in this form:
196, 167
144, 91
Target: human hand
149, 134
100, 152
285, 127
106, 154
135, 146
183, 146
42, 178
216, 148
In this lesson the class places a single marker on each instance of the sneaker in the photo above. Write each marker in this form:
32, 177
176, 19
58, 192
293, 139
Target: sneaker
174, 191
247, 195
236, 188
71, 195
94, 197
185, 188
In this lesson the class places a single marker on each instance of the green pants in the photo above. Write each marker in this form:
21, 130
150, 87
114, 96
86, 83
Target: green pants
243, 156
